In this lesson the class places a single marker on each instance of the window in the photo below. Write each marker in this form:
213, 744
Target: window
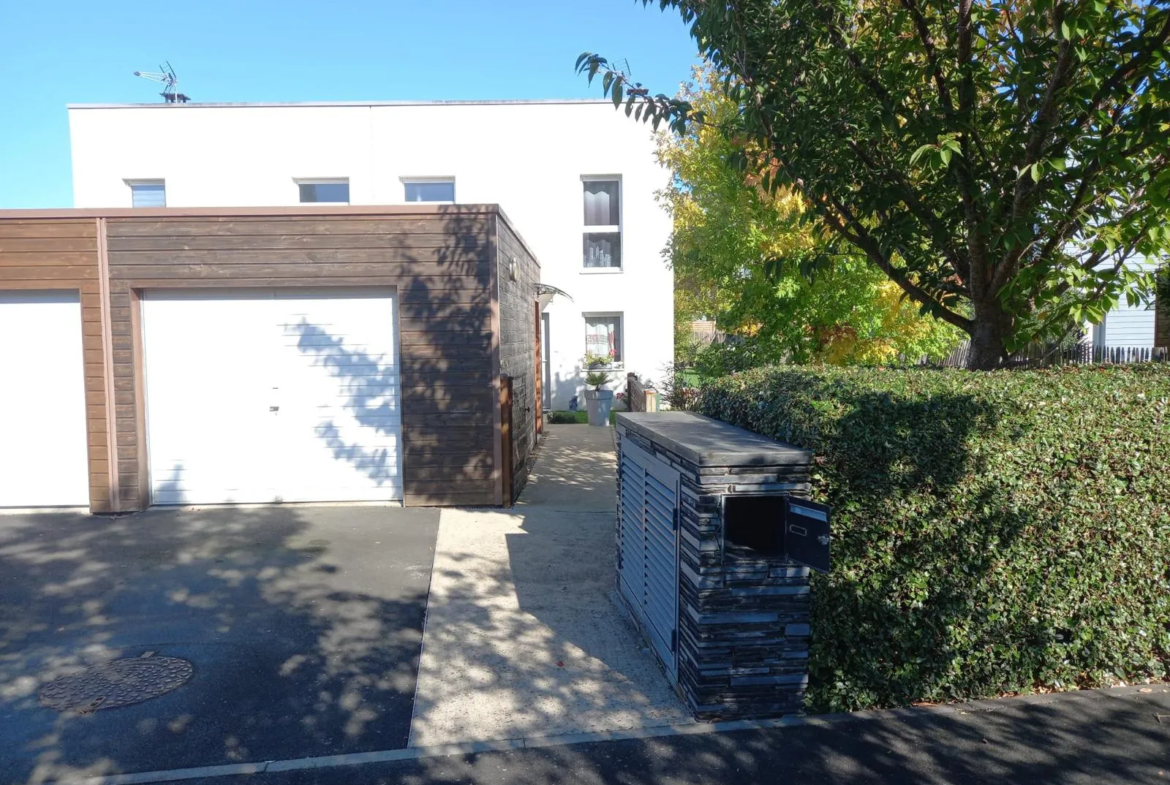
429, 190
603, 335
148, 193
314, 191
602, 239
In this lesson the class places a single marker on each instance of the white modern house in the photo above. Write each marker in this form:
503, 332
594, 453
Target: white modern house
577, 178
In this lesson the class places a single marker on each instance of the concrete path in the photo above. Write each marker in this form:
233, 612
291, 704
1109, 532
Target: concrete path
302, 624
522, 638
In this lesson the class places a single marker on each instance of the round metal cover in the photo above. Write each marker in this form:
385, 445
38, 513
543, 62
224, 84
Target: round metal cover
117, 683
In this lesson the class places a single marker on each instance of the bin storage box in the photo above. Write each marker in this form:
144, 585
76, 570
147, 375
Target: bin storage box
705, 559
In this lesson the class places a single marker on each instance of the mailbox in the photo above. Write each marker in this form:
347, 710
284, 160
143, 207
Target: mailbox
777, 526
716, 538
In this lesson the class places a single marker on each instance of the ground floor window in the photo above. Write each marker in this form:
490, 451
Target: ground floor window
603, 335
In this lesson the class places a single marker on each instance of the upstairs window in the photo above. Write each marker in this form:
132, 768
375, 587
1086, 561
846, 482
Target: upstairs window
436, 190
320, 191
148, 193
602, 236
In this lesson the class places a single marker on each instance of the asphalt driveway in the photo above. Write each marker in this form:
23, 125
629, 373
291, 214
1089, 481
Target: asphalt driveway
303, 626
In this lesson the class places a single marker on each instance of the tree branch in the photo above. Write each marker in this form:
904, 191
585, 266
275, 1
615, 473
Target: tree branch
936, 74
856, 233
906, 193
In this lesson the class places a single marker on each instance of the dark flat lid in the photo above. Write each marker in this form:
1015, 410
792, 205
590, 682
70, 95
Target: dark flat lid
707, 442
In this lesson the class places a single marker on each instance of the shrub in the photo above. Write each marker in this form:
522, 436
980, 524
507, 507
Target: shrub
562, 417
993, 532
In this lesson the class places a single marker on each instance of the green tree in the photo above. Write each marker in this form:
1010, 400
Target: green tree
737, 249
999, 161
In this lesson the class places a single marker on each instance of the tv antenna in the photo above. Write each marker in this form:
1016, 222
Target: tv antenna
170, 81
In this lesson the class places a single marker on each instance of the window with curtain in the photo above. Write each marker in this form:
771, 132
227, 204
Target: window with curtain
152, 194
432, 191
603, 336
602, 239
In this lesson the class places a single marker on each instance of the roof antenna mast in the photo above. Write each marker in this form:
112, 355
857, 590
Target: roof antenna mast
170, 81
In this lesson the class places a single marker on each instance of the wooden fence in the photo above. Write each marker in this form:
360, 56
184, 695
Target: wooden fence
1082, 354
639, 397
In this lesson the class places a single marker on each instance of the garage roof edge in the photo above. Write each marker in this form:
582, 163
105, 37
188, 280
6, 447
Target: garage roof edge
246, 212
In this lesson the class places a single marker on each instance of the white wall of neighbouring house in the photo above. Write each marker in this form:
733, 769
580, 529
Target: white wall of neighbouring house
1128, 326
530, 157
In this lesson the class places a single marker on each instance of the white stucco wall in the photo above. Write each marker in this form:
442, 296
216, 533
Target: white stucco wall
528, 157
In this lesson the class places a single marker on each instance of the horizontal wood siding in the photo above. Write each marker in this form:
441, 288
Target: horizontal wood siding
62, 253
440, 265
518, 346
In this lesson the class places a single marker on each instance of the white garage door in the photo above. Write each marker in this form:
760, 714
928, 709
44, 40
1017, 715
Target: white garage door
43, 459
273, 395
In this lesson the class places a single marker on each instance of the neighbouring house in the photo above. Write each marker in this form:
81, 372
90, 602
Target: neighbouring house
577, 177
1128, 326
302, 353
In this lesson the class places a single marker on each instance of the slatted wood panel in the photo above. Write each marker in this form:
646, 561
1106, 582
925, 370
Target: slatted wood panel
62, 253
517, 346
441, 266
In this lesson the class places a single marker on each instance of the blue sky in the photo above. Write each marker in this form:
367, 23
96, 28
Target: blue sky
55, 53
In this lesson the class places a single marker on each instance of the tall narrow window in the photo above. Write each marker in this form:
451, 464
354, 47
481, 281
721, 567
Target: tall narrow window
436, 190
602, 239
148, 193
318, 191
603, 336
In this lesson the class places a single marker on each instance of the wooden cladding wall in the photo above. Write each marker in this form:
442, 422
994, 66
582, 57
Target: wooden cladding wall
517, 346
440, 262
56, 254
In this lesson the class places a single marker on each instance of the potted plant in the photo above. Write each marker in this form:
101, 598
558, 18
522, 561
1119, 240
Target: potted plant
598, 401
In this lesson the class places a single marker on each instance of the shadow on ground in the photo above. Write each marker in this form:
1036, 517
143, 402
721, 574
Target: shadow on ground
303, 625
1112, 737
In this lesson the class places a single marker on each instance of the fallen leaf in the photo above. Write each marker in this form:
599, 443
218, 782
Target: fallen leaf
560, 663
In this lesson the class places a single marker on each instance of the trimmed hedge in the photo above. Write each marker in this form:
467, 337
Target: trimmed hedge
993, 532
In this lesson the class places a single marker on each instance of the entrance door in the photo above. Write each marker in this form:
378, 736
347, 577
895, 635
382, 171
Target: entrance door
546, 364
272, 395
43, 458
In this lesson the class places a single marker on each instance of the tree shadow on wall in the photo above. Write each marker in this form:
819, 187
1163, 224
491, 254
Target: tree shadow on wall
444, 368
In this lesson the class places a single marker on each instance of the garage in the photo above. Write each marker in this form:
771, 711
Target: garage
43, 460
272, 395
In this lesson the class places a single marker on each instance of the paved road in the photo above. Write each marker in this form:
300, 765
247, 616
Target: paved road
1103, 737
303, 625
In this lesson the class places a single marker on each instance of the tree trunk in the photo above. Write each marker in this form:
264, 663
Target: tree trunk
987, 340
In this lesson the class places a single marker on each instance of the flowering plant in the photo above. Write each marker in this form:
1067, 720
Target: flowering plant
596, 365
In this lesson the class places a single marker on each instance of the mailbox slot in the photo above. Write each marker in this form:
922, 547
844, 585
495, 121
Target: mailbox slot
776, 526
753, 525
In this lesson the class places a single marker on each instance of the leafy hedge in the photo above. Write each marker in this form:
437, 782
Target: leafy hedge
994, 532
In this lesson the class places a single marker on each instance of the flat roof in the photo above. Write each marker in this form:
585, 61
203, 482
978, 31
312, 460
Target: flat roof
273, 104
299, 210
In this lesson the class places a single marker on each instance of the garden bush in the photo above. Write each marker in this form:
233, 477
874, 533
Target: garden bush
993, 532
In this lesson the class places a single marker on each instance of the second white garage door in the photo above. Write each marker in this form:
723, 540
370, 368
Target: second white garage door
43, 460
275, 395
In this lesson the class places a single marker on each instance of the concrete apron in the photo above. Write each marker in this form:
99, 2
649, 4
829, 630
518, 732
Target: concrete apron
521, 636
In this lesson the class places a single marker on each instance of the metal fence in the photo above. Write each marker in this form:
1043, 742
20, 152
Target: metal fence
1081, 354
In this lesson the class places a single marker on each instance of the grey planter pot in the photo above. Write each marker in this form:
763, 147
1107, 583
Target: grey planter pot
598, 403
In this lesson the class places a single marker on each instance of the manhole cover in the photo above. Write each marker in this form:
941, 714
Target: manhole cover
117, 683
